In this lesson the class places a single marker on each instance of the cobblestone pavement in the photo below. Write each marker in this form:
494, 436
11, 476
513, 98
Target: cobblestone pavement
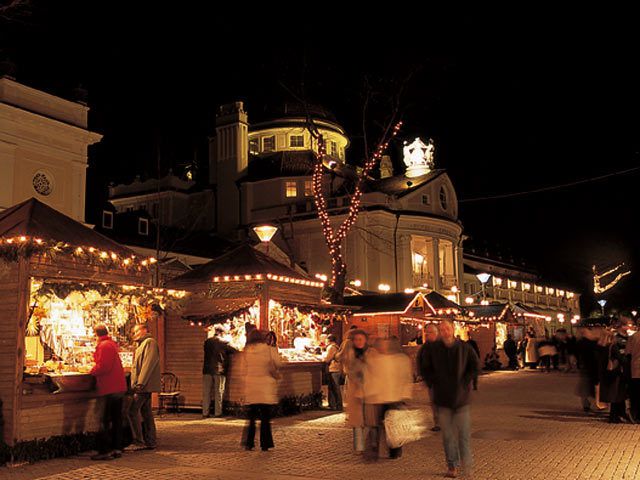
526, 425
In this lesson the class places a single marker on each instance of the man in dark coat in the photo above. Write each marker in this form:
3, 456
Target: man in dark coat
214, 371
449, 368
431, 335
511, 351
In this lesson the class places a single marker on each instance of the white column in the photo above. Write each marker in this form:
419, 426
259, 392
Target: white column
436, 266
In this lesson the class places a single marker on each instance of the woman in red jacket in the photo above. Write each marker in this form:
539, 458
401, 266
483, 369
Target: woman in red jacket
110, 384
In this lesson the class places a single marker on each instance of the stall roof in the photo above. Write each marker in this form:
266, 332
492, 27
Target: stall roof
520, 309
440, 302
33, 218
494, 311
384, 303
243, 260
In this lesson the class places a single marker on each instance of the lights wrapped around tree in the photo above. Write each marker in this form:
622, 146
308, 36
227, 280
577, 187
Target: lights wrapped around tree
12, 249
333, 238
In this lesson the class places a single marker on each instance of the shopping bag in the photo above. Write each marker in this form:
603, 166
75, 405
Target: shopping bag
403, 426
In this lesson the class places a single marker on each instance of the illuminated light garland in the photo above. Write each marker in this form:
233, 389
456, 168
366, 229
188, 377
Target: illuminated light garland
269, 276
333, 239
24, 246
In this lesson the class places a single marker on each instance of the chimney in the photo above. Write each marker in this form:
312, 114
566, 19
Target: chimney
386, 167
229, 159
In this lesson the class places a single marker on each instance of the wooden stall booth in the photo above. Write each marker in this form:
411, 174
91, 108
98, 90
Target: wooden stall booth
403, 315
58, 278
489, 325
246, 286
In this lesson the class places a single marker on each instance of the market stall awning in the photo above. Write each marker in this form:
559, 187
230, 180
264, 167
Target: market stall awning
390, 303
239, 262
521, 310
34, 219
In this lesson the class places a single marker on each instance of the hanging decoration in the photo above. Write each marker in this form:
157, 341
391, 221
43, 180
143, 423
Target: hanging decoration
598, 287
12, 249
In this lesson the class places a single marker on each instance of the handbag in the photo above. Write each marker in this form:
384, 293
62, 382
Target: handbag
403, 426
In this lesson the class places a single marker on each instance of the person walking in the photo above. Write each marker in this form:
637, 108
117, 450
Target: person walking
450, 366
388, 381
335, 374
214, 371
110, 387
352, 357
476, 349
431, 335
588, 365
531, 350
145, 380
511, 351
260, 366
633, 356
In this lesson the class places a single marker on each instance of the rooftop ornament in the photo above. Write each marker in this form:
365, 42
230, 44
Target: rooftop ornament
418, 157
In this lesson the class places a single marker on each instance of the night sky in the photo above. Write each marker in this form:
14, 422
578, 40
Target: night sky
515, 101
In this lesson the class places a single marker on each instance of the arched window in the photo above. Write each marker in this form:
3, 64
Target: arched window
443, 198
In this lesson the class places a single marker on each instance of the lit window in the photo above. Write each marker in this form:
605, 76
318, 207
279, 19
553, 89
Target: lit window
497, 281
308, 188
269, 144
290, 189
107, 219
143, 226
334, 149
254, 146
443, 198
296, 141
426, 200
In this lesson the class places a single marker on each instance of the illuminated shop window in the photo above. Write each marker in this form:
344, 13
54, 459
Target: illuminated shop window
296, 141
290, 189
308, 188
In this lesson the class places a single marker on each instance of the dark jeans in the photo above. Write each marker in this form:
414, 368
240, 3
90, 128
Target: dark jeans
513, 362
143, 425
617, 410
335, 394
110, 436
545, 362
262, 411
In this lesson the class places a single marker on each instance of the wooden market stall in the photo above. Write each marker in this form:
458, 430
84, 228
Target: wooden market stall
58, 278
403, 315
248, 286
490, 324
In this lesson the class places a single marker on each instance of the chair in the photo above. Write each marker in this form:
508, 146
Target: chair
170, 392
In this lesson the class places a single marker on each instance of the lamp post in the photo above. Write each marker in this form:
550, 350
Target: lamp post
602, 303
265, 233
484, 278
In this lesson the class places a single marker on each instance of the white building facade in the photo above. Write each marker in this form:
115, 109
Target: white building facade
43, 149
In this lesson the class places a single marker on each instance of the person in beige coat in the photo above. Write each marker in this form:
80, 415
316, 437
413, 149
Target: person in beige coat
388, 382
352, 357
261, 363
145, 380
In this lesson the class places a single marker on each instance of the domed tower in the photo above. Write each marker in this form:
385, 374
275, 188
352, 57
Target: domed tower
264, 169
287, 131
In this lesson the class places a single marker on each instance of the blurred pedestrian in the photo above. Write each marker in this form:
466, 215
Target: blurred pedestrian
588, 364
614, 383
260, 366
450, 366
476, 349
522, 351
546, 352
431, 335
334, 380
217, 353
110, 388
511, 351
388, 381
531, 351
352, 357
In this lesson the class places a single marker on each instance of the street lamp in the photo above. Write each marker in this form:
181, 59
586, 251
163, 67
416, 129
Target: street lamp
484, 278
265, 232
602, 303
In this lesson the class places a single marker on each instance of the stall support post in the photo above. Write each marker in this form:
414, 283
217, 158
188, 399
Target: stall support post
264, 308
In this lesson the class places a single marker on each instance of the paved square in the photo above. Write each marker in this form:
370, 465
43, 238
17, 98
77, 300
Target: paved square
526, 425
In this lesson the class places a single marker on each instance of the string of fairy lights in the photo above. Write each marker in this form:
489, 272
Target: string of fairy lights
333, 238
13, 248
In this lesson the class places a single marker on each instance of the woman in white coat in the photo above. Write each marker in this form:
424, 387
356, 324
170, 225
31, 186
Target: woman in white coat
260, 364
